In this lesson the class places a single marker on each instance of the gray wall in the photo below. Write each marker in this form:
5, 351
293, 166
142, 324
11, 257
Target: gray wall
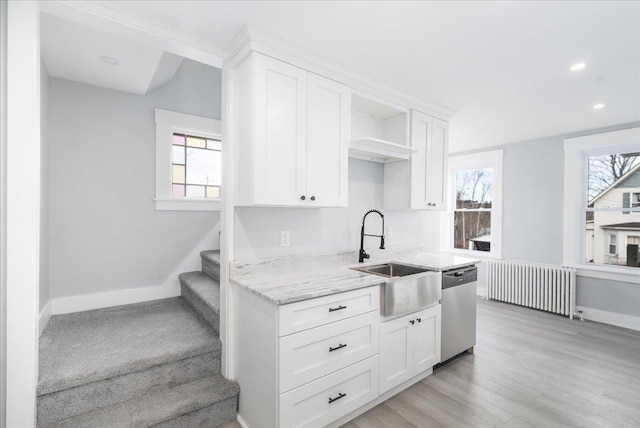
257, 230
44, 185
533, 179
105, 233
532, 201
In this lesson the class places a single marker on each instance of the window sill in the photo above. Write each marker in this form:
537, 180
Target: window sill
187, 204
619, 273
472, 253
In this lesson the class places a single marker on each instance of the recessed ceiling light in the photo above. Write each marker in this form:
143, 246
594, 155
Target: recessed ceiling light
109, 60
577, 66
598, 106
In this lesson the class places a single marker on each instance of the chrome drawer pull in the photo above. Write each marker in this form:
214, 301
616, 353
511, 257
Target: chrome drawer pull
337, 309
340, 395
337, 347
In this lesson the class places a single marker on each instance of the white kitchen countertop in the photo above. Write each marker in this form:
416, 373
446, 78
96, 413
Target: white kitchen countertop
286, 280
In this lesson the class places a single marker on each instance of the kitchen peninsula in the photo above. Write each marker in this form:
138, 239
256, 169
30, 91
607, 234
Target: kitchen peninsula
311, 345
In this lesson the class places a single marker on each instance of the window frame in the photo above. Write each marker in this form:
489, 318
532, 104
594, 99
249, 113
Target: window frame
462, 162
576, 153
167, 123
613, 242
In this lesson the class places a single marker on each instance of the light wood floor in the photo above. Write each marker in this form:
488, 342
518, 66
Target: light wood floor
530, 369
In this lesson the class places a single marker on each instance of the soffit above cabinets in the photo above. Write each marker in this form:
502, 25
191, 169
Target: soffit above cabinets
73, 51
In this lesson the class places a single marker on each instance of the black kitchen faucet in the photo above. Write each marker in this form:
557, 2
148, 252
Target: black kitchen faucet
363, 254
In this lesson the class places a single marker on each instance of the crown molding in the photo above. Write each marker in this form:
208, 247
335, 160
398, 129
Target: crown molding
252, 39
99, 15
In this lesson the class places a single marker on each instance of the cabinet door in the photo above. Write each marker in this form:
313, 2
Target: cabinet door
328, 135
396, 352
437, 152
426, 339
421, 126
279, 132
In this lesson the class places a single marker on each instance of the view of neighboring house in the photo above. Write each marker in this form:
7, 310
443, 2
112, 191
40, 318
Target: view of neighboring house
611, 232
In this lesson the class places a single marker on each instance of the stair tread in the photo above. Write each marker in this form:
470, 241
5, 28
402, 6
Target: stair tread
84, 347
207, 288
212, 255
158, 407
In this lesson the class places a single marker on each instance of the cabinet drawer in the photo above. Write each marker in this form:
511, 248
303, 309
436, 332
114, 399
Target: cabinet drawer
327, 399
310, 354
323, 310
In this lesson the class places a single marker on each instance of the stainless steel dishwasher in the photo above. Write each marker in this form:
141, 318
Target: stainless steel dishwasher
458, 311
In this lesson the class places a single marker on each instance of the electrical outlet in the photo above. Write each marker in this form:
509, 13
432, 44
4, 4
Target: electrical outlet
389, 232
285, 238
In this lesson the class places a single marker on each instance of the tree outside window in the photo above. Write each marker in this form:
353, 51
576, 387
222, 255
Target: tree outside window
472, 212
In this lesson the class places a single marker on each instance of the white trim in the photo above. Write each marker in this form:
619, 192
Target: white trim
612, 318
487, 159
87, 302
45, 316
227, 226
3, 207
23, 211
103, 17
191, 204
613, 273
241, 421
168, 122
575, 150
250, 38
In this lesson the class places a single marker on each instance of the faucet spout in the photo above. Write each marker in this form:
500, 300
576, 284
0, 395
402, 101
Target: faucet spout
363, 254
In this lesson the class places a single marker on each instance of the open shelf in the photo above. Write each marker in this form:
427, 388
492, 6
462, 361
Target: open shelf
378, 150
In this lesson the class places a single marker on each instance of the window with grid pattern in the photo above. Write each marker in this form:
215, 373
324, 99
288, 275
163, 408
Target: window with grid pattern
196, 166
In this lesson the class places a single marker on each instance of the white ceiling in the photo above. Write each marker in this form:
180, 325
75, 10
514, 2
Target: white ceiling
72, 51
503, 66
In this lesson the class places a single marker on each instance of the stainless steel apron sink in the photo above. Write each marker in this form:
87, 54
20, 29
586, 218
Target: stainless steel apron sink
407, 289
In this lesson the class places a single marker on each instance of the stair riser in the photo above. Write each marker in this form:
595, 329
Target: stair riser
211, 416
204, 310
211, 268
67, 403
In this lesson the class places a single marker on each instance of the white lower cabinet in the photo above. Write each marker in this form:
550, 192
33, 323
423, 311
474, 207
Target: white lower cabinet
310, 354
409, 345
327, 399
314, 362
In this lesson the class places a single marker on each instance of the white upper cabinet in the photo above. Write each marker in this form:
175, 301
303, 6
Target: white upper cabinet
293, 130
436, 170
420, 183
328, 135
429, 136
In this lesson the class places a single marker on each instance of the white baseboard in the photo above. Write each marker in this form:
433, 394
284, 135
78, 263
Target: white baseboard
45, 316
86, 302
241, 421
612, 318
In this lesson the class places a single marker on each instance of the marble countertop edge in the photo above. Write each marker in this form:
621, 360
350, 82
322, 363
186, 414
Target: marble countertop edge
298, 284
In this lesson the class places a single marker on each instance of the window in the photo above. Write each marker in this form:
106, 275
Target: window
475, 213
612, 245
611, 179
633, 240
472, 211
188, 162
601, 179
631, 200
196, 163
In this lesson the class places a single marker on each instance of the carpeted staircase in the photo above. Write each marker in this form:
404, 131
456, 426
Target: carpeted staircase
141, 365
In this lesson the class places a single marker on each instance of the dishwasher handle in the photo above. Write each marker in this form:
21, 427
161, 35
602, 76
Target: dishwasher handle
460, 276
